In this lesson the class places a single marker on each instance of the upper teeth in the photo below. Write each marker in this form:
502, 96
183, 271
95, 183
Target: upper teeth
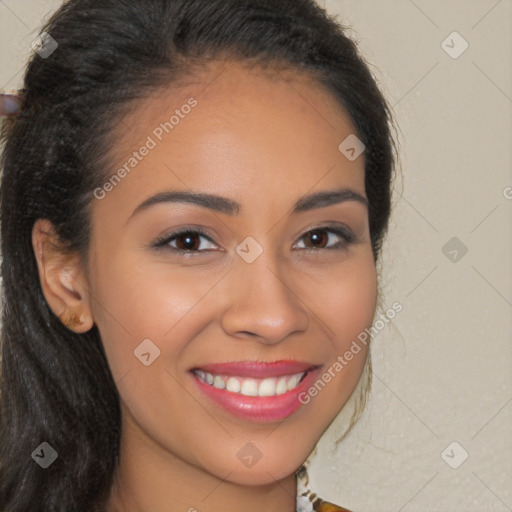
252, 387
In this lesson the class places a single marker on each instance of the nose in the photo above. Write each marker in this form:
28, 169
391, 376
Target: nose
263, 304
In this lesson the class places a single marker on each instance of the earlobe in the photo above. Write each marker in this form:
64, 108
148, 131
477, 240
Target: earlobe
62, 279
72, 321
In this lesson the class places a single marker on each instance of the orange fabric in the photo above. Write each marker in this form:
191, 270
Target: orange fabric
329, 507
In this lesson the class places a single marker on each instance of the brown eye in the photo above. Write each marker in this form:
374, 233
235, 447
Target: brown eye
187, 240
318, 238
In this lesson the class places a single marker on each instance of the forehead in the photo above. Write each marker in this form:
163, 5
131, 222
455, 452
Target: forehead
237, 131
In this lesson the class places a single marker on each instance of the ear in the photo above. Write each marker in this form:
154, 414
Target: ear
62, 278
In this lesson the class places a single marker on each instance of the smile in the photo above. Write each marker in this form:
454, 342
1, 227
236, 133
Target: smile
269, 386
253, 390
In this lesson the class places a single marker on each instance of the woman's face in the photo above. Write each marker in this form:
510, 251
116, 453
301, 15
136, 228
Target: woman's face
280, 273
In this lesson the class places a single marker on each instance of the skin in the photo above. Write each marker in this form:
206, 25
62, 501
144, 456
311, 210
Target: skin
10, 104
264, 141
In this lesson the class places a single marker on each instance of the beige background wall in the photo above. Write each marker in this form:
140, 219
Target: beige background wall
443, 371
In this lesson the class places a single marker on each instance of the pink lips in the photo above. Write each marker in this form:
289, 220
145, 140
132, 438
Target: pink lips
258, 408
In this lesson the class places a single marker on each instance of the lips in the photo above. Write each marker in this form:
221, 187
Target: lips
254, 390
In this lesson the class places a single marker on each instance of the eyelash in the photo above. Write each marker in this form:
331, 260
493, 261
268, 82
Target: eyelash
163, 242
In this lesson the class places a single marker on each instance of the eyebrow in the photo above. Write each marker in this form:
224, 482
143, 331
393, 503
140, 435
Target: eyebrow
230, 207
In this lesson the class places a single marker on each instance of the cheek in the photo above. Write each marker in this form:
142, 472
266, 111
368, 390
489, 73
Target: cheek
134, 302
347, 301
357, 297
347, 310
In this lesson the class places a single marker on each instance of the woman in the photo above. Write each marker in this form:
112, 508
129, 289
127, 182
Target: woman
194, 198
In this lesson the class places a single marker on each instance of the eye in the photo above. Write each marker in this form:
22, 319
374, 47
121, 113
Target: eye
186, 240
318, 237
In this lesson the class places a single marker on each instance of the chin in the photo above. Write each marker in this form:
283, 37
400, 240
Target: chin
262, 470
